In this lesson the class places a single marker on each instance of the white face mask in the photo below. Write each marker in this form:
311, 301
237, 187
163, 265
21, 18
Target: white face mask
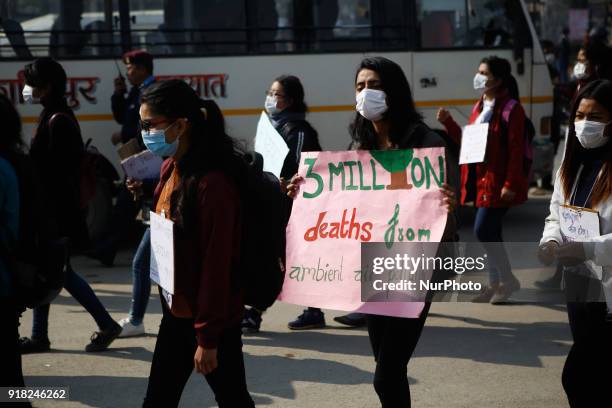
271, 105
580, 70
28, 95
591, 134
372, 104
480, 82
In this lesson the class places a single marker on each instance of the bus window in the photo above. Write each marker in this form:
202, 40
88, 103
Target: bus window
60, 29
388, 20
472, 24
442, 23
353, 28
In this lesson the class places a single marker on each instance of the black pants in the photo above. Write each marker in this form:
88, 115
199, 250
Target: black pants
393, 341
586, 374
173, 364
11, 373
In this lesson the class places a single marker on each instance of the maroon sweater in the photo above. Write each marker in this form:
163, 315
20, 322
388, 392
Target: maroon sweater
207, 256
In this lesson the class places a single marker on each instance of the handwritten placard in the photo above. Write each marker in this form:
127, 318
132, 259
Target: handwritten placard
354, 197
142, 166
578, 224
270, 144
474, 144
162, 252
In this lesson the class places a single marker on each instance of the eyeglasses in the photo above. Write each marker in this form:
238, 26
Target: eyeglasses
146, 125
274, 94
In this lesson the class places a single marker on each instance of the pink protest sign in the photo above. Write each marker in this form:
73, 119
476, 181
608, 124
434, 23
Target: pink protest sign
354, 197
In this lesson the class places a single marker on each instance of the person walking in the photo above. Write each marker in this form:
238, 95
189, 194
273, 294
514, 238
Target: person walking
199, 191
584, 182
56, 151
499, 182
387, 119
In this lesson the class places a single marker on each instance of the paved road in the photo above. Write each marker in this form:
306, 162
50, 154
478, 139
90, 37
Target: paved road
469, 355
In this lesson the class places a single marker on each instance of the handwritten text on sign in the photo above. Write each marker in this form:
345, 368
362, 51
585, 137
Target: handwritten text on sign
354, 197
162, 252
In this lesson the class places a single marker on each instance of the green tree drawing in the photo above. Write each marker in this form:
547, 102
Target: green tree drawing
395, 162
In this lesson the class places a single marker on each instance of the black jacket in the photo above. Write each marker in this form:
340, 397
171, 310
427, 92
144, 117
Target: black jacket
126, 111
300, 137
57, 152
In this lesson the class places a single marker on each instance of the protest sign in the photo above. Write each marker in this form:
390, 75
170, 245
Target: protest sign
142, 166
354, 197
162, 252
271, 145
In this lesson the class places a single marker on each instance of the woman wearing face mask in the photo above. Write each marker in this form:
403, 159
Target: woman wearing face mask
387, 119
199, 190
287, 111
56, 152
585, 180
498, 183
594, 62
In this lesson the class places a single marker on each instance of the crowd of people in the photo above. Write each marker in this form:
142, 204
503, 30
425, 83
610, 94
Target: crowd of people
201, 189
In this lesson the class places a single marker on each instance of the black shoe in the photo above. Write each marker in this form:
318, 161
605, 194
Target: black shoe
352, 319
33, 345
251, 322
310, 319
549, 284
106, 256
102, 339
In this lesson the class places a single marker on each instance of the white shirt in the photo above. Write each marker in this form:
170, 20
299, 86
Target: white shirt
487, 112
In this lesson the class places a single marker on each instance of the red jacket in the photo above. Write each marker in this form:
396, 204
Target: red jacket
206, 259
504, 159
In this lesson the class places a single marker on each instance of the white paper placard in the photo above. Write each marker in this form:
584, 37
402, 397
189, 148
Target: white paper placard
142, 166
474, 143
270, 144
578, 225
162, 252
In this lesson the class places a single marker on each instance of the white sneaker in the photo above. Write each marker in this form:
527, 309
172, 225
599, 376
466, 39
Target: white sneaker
129, 330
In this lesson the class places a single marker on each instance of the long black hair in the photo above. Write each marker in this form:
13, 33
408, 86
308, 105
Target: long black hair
294, 92
599, 56
11, 141
401, 111
43, 72
601, 91
501, 69
211, 148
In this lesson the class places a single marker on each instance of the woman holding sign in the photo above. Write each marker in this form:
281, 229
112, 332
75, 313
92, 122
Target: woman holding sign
287, 110
199, 192
387, 119
494, 177
579, 229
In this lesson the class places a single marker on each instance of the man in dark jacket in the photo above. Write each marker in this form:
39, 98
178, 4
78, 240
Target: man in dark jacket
139, 66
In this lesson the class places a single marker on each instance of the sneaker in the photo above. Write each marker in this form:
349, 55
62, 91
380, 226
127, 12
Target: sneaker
29, 345
102, 339
251, 322
486, 295
504, 291
310, 319
352, 319
130, 330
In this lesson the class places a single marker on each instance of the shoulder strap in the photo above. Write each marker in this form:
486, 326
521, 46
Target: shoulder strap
58, 115
508, 110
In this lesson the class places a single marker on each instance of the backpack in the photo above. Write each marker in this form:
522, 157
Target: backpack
92, 166
529, 135
262, 270
38, 260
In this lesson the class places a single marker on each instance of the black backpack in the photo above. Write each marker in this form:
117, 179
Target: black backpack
38, 260
264, 210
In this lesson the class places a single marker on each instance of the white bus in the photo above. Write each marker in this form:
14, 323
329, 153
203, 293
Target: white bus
231, 50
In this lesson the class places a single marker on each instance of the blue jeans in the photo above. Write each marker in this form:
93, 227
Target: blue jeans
82, 292
141, 284
488, 229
